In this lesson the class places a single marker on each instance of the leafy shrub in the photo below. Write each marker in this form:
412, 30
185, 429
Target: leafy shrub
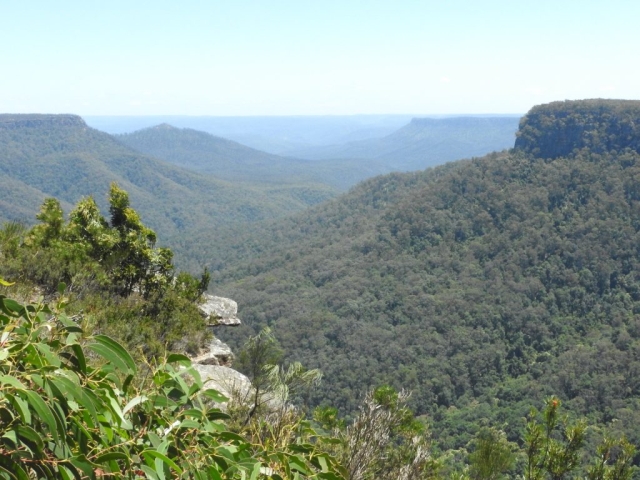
70, 409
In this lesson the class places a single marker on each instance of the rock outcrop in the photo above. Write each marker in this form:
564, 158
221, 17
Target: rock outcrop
217, 353
214, 363
226, 380
219, 311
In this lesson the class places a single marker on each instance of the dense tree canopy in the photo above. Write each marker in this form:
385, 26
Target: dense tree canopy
557, 129
479, 286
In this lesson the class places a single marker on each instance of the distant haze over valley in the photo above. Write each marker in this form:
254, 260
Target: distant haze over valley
184, 180
281, 135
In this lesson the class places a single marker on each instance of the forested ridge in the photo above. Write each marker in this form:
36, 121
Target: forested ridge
559, 128
231, 161
480, 286
58, 155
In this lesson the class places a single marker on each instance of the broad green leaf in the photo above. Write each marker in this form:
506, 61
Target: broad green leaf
230, 436
215, 414
184, 388
66, 473
298, 463
115, 407
222, 460
111, 456
107, 431
22, 407
127, 382
81, 462
12, 436
160, 401
43, 410
11, 307
191, 412
148, 454
150, 472
255, 473
30, 435
179, 358
86, 399
33, 356
189, 424
69, 325
83, 431
215, 395
48, 355
323, 464
81, 361
19, 471
154, 439
4, 283
163, 447
159, 467
228, 451
132, 403
13, 381
113, 352
213, 473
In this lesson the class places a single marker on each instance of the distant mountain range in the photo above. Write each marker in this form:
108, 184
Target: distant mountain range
355, 136
420, 144
231, 161
60, 156
277, 135
426, 142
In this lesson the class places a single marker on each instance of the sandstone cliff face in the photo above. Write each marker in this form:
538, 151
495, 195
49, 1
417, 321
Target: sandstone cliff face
557, 129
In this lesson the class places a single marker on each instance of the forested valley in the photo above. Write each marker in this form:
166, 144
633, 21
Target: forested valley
479, 285
439, 305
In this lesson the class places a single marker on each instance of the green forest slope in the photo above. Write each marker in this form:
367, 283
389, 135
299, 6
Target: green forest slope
482, 286
59, 156
234, 162
559, 128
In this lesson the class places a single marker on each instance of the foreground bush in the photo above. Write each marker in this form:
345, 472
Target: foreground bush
70, 408
113, 271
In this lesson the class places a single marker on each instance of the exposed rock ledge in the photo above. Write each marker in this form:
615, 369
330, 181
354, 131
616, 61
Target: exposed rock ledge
217, 353
214, 364
227, 381
219, 311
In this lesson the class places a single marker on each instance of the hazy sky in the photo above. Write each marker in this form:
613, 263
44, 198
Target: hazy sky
318, 57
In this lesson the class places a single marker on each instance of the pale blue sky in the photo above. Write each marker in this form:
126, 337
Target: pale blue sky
313, 57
